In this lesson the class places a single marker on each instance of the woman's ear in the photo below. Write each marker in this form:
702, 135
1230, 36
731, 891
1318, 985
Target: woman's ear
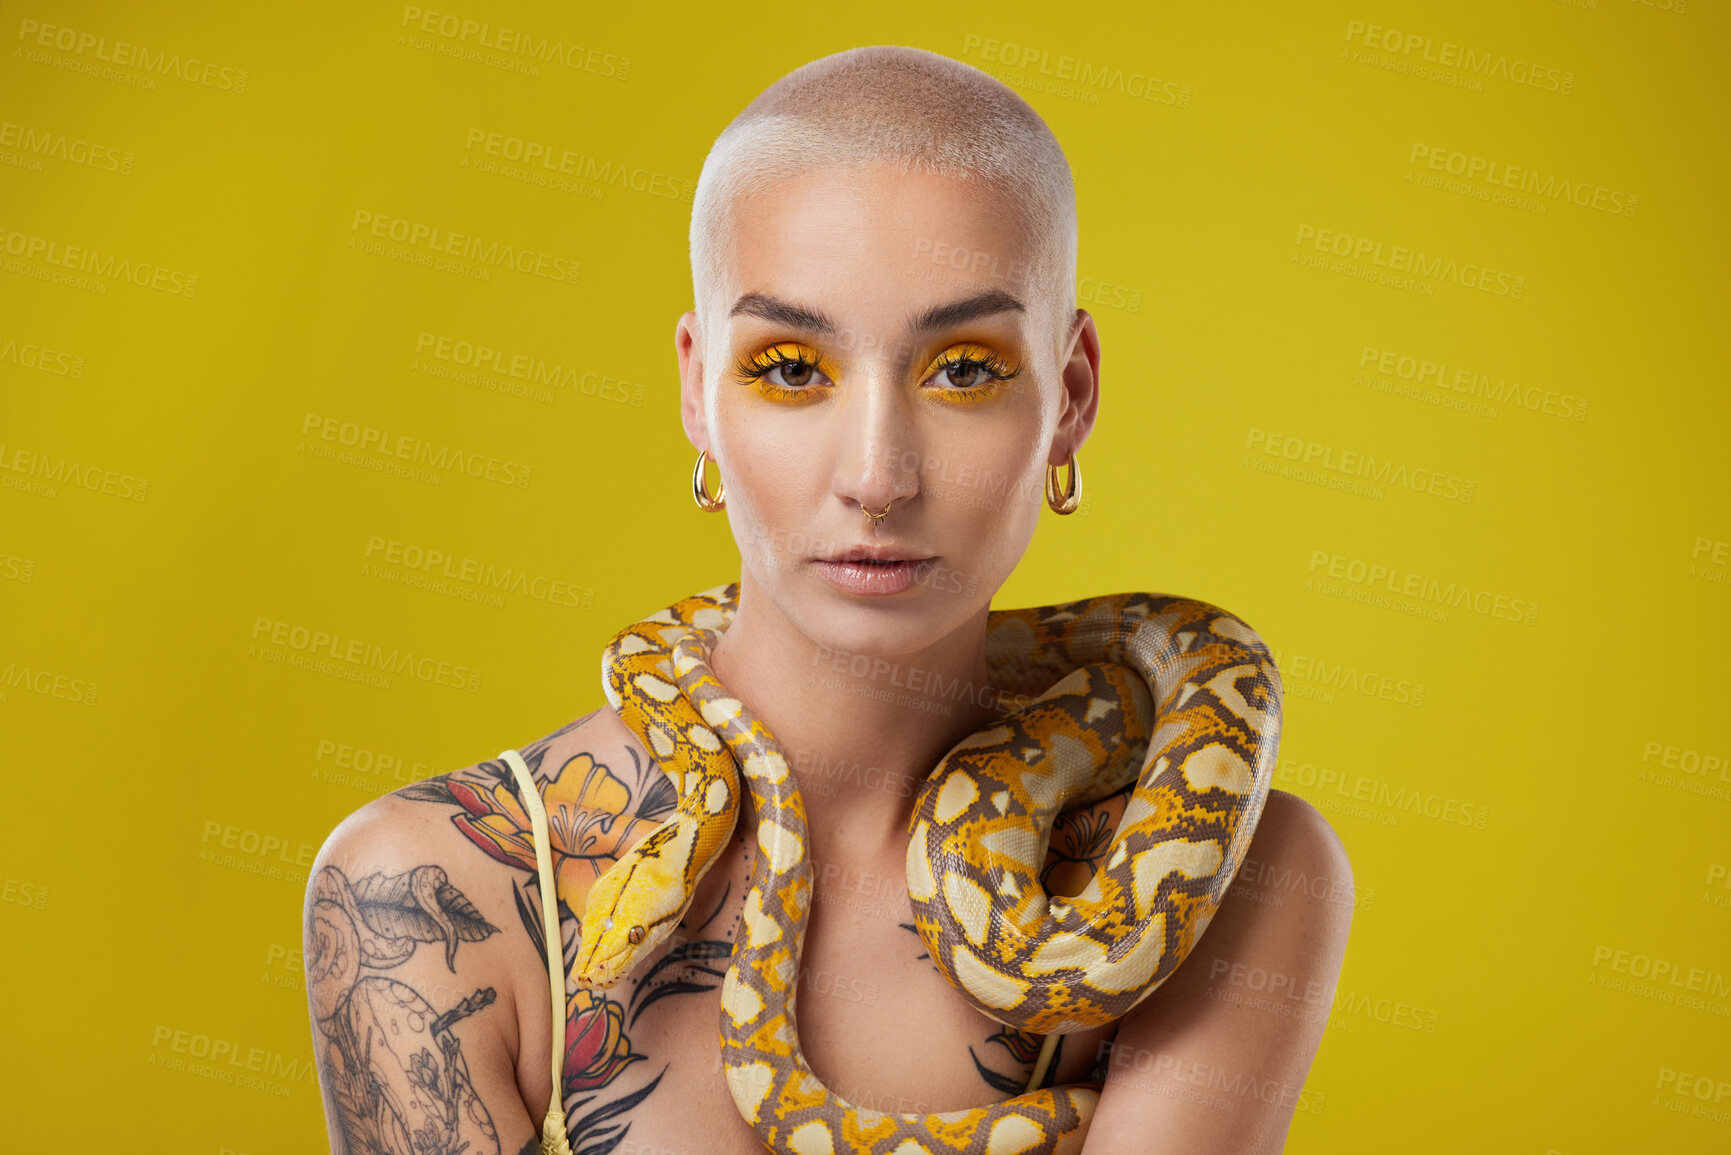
1081, 381
688, 344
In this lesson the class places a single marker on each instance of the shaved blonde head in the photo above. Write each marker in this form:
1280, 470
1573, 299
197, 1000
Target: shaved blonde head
900, 106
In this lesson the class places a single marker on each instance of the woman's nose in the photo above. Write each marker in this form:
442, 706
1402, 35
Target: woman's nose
878, 455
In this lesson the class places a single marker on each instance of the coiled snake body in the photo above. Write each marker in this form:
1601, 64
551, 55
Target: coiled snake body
1174, 694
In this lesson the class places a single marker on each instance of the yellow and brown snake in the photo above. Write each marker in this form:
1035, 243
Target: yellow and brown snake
1176, 695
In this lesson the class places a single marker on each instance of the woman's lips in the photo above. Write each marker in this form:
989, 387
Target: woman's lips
874, 578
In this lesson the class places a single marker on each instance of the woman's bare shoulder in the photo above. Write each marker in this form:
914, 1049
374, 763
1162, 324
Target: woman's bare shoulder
444, 813
422, 924
432, 890
593, 763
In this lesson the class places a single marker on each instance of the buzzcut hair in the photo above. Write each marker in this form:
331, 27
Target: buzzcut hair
902, 106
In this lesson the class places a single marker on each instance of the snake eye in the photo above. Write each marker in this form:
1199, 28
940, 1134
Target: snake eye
635, 934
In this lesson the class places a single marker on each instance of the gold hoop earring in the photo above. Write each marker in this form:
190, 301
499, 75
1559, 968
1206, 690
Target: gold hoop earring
700, 487
1070, 498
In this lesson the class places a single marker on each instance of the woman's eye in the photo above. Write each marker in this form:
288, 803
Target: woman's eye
792, 374
785, 372
969, 371
965, 375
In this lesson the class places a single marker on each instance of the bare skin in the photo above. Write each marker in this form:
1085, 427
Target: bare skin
878, 1022
875, 411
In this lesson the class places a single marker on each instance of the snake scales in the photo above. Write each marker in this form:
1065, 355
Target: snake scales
1177, 695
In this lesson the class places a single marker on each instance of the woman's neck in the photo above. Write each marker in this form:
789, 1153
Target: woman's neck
860, 733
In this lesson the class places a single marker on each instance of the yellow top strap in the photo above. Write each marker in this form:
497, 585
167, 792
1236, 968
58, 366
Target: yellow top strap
1047, 1048
553, 1138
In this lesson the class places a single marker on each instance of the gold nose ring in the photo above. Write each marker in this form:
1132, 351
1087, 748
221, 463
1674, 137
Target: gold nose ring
874, 518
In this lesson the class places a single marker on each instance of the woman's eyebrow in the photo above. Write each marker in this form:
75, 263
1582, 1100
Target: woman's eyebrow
978, 305
780, 312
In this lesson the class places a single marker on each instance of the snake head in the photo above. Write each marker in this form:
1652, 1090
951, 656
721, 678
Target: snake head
633, 907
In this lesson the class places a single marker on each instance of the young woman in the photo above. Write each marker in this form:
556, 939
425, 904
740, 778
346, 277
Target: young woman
884, 363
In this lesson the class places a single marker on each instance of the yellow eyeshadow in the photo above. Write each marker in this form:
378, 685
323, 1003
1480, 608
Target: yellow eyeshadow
980, 360
783, 352
755, 369
801, 396
998, 371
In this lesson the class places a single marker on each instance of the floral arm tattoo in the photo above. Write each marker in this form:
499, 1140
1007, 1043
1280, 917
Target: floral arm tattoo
594, 815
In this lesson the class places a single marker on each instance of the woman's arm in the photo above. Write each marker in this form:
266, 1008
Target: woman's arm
407, 987
1215, 1060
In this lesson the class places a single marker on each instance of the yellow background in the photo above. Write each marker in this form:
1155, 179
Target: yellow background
169, 772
